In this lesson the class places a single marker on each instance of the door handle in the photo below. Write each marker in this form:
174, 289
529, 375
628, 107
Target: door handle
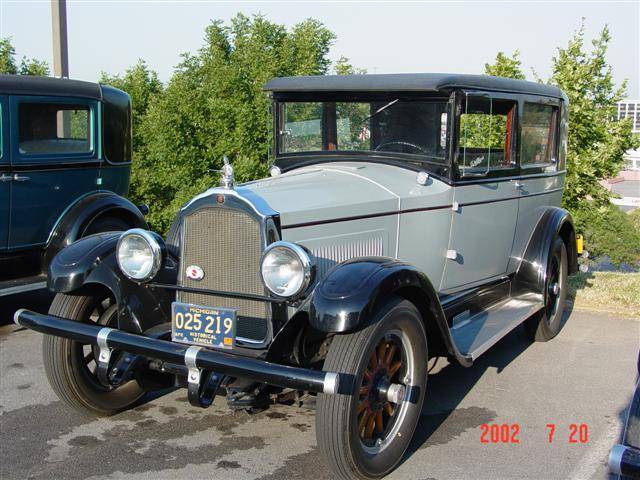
5, 178
18, 178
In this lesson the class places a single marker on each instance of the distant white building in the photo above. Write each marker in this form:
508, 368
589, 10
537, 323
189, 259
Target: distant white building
631, 109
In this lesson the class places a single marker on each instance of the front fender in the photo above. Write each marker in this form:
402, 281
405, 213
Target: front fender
91, 262
347, 297
74, 222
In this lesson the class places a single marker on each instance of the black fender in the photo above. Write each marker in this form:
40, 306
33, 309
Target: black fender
346, 298
531, 273
91, 262
76, 219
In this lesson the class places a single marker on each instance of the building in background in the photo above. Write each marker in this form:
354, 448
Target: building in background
631, 109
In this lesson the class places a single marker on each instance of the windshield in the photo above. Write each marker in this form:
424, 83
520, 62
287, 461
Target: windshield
415, 127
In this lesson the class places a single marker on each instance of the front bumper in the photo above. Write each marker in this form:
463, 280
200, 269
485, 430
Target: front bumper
196, 359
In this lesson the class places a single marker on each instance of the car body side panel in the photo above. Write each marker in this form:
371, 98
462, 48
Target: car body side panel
537, 193
425, 225
482, 231
50, 181
5, 170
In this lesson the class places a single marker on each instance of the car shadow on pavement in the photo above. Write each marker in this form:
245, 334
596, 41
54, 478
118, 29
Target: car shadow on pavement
441, 420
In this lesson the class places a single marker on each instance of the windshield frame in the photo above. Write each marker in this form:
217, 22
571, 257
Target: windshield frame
290, 160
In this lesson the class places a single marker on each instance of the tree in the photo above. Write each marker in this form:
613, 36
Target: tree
214, 106
596, 144
28, 66
143, 85
7, 57
344, 67
597, 140
505, 66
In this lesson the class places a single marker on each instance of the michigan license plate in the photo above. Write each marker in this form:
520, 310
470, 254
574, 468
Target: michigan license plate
207, 326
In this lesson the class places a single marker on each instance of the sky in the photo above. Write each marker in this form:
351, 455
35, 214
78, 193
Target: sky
380, 36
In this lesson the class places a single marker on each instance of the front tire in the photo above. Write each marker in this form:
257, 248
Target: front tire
70, 366
547, 323
363, 435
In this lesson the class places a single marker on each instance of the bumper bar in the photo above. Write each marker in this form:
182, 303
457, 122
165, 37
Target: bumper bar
190, 356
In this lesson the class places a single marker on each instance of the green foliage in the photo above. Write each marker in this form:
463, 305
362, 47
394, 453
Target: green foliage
609, 231
28, 66
143, 85
505, 66
7, 57
214, 106
597, 140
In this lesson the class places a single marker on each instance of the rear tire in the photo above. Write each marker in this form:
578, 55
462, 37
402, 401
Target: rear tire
68, 363
548, 322
362, 435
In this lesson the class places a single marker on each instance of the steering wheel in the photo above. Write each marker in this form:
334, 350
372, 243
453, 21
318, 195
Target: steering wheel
399, 142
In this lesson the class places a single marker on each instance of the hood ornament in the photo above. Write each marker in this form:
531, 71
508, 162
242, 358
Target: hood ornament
226, 175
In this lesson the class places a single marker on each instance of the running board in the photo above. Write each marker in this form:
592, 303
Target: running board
21, 285
478, 332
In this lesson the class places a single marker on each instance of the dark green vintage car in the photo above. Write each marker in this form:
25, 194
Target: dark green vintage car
65, 160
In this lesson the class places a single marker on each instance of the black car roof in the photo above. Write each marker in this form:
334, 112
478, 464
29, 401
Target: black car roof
31, 85
408, 82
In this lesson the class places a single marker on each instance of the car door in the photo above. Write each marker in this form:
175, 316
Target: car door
485, 192
5, 173
55, 161
541, 165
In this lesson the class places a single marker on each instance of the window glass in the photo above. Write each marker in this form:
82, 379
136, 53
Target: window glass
302, 130
47, 128
417, 127
538, 134
486, 132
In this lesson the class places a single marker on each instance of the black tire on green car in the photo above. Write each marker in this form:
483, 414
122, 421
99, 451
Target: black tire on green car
71, 366
548, 322
363, 434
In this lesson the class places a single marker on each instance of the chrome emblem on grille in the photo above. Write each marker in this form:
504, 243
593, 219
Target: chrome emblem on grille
194, 272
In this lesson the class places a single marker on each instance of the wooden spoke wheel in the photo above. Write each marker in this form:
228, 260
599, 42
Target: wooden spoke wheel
364, 433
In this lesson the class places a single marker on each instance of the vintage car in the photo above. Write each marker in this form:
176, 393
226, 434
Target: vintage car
65, 161
407, 217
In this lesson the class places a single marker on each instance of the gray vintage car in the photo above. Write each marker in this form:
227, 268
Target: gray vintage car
407, 217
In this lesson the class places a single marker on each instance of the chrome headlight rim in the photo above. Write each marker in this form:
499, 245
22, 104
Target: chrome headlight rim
307, 267
155, 243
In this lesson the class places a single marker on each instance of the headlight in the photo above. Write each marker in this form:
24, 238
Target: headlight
286, 269
139, 253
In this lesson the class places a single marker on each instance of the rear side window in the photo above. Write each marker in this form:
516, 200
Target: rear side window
49, 128
486, 135
538, 135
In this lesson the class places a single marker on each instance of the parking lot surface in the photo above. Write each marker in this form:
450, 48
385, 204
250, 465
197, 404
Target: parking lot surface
584, 376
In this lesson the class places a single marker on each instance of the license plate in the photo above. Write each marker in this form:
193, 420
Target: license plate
207, 326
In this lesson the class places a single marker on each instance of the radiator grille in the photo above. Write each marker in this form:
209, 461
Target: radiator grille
227, 245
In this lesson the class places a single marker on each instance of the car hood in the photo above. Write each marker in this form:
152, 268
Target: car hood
325, 192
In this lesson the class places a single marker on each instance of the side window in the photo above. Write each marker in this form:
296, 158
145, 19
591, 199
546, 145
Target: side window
302, 127
538, 135
49, 128
486, 135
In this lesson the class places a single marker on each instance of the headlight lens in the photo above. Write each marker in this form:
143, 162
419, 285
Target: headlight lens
286, 269
139, 254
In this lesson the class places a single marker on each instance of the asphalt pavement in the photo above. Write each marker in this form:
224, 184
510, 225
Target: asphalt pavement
585, 377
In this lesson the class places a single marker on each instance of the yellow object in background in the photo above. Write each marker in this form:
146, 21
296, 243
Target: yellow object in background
579, 244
